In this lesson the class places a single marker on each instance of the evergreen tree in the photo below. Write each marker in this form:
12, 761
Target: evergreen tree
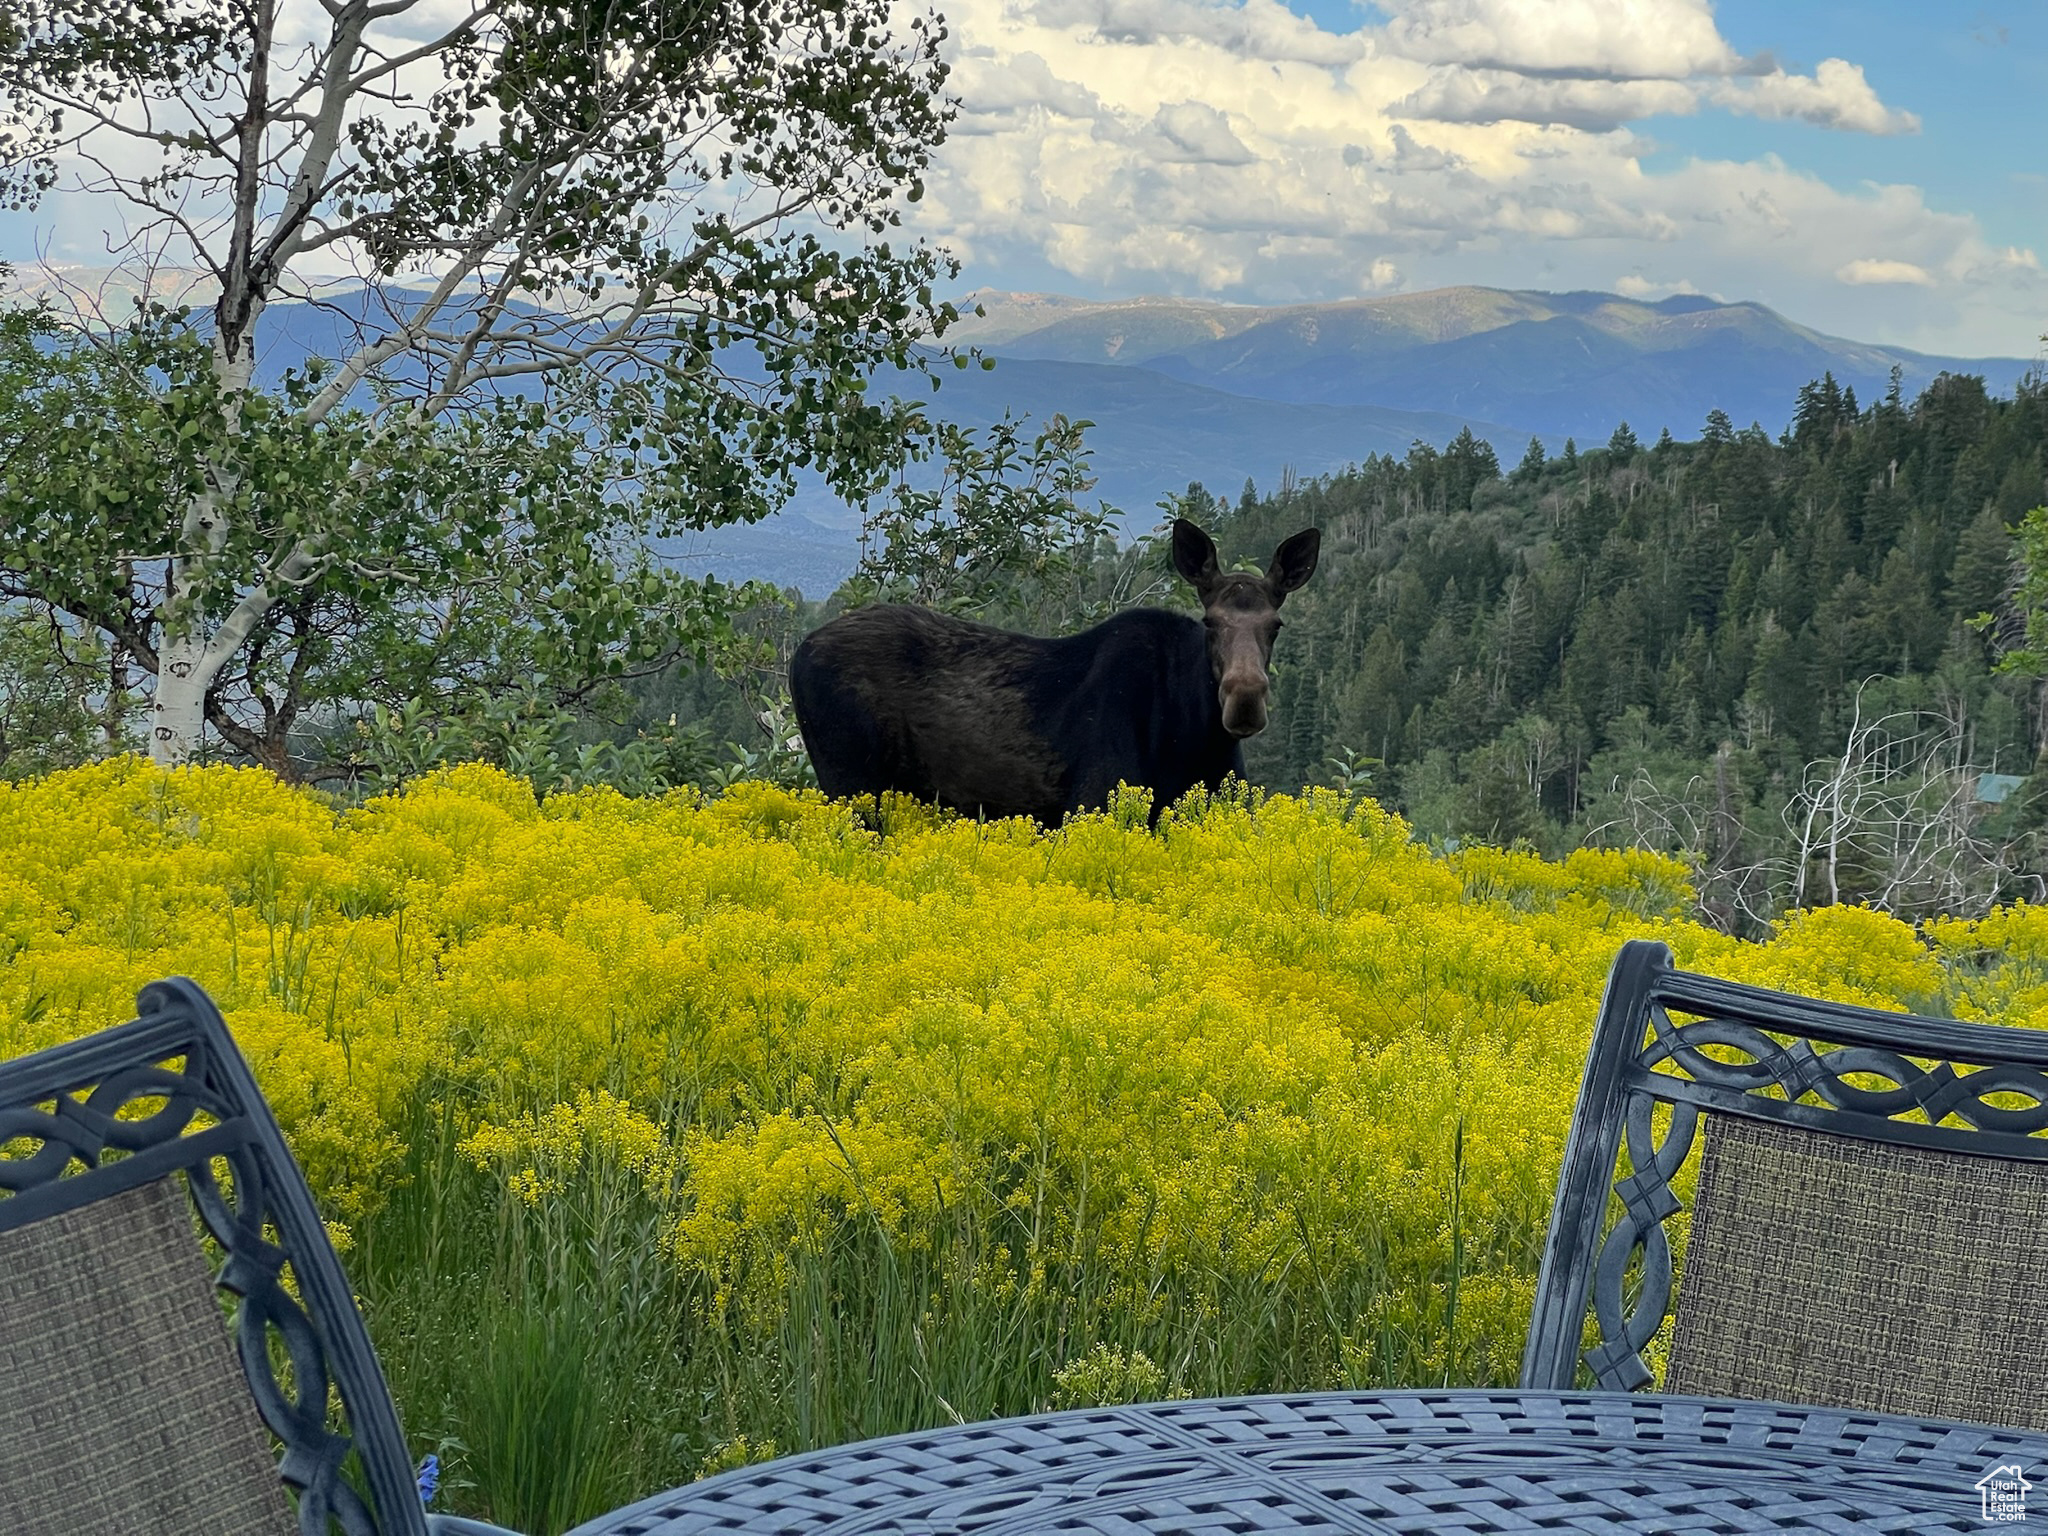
1373, 705
1985, 568
1777, 693
1909, 629
1468, 463
1496, 804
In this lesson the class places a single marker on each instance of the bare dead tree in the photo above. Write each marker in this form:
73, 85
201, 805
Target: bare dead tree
1895, 820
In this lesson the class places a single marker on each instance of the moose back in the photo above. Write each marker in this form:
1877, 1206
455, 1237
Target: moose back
999, 724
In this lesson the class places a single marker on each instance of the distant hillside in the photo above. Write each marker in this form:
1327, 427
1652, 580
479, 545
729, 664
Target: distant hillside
1153, 433
1552, 364
101, 293
1187, 390
789, 549
1152, 437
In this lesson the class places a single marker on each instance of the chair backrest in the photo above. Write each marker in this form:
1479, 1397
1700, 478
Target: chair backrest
144, 1417
1869, 1223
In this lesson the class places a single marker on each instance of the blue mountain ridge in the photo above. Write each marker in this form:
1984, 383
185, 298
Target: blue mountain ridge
1550, 364
1183, 391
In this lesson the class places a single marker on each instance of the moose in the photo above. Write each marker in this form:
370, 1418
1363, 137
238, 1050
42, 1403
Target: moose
997, 724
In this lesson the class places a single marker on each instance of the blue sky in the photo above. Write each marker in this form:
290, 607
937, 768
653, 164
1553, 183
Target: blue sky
1878, 171
1977, 76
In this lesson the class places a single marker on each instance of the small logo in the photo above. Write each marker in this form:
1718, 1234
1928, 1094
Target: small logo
2004, 1491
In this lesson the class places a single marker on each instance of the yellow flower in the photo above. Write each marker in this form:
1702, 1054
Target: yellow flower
1235, 1051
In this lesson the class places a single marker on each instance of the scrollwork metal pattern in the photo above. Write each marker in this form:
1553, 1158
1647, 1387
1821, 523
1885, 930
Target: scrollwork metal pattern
1647, 1201
74, 1131
1939, 1096
65, 1107
1800, 1074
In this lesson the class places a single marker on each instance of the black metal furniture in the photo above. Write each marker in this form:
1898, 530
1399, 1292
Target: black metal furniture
1393, 1464
1869, 1226
124, 1407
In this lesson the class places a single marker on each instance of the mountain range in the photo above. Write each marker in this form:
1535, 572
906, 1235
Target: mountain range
1548, 364
1183, 390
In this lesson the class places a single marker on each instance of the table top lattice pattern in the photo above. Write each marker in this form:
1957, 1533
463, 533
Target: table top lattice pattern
1393, 1464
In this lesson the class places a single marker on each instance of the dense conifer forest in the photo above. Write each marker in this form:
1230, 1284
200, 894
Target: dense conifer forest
1766, 653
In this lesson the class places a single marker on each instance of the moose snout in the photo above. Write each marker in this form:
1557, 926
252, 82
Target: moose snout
1244, 704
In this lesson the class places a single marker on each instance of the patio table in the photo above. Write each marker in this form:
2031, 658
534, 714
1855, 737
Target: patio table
1414, 1463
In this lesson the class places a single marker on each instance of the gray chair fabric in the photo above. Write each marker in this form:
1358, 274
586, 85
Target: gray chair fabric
1862, 1274
124, 1411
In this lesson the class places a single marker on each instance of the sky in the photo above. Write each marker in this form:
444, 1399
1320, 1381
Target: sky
1877, 171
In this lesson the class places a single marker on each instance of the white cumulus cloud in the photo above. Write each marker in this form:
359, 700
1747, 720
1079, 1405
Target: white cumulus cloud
1199, 135
1836, 95
1582, 39
1634, 285
1867, 270
1496, 96
1005, 93
1256, 29
1207, 147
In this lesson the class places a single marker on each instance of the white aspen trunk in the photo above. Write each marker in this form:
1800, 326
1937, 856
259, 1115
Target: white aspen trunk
178, 712
188, 658
188, 666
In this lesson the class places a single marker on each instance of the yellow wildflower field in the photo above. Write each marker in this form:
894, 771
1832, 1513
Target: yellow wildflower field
1225, 1060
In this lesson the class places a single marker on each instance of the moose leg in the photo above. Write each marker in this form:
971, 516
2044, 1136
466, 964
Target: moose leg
849, 748
1096, 780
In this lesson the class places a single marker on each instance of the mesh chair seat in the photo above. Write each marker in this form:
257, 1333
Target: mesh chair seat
1887, 1277
139, 1421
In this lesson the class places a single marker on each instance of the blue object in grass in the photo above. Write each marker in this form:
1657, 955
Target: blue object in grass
429, 1478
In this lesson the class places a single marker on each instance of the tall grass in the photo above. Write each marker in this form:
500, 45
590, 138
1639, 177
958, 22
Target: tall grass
561, 1363
542, 1349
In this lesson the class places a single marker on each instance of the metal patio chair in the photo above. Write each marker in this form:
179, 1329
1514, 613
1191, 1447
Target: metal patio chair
134, 1398
1869, 1226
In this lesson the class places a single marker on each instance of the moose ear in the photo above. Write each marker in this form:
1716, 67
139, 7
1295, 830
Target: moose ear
1194, 554
1294, 562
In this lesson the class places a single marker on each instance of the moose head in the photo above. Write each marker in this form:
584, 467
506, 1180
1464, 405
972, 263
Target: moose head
1241, 612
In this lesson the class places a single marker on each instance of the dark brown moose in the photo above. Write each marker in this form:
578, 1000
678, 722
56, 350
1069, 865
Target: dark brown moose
999, 724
